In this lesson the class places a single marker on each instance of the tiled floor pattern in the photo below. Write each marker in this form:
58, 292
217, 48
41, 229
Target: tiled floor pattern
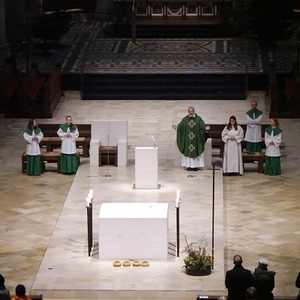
260, 212
169, 56
85, 43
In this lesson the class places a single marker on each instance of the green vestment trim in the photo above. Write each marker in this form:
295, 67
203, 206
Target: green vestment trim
191, 136
254, 113
64, 127
36, 131
276, 130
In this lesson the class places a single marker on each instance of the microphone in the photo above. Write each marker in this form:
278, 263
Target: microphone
154, 145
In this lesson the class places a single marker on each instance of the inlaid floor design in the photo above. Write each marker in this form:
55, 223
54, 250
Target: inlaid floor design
86, 45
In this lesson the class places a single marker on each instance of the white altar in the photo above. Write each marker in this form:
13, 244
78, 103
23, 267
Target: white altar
133, 231
146, 168
109, 133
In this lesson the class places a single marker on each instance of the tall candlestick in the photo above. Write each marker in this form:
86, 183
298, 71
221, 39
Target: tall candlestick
177, 198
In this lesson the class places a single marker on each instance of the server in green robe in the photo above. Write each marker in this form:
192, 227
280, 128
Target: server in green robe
273, 141
68, 133
33, 135
253, 132
191, 138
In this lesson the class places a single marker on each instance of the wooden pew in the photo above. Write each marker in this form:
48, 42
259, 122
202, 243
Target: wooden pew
51, 141
215, 134
46, 157
49, 157
10, 87
37, 95
53, 92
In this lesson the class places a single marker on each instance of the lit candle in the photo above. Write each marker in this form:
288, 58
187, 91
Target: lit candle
177, 198
88, 201
91, 194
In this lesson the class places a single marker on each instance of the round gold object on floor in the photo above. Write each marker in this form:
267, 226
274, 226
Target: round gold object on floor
126, 263
136, 263
117, 263
145, 263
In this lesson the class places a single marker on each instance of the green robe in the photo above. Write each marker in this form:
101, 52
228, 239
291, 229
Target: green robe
272, 163
33, 162
191, 136
68, 162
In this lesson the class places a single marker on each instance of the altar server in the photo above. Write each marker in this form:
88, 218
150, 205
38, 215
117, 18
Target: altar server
33, 135
68, 133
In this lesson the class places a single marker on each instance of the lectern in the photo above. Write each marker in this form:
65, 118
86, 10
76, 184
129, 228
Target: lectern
146, 168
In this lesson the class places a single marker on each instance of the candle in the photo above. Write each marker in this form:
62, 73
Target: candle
177, 198
88, 201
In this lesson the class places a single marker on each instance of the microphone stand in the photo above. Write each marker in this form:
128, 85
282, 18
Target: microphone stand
107, 175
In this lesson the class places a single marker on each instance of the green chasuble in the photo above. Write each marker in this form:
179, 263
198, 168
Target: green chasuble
254, 113
191, 136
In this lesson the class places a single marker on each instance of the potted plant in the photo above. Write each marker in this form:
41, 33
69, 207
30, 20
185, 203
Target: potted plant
198, 261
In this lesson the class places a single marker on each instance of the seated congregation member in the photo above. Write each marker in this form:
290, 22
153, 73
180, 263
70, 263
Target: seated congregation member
238, 280
33, 136
4, 292
68, 133
273, 141
251, 293
232, 136
297, 284
264, 280
20, 293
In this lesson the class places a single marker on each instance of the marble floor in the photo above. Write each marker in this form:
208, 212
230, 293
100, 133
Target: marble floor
43, 225
86, 44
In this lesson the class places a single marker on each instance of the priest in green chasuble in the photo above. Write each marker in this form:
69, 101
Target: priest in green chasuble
191, 138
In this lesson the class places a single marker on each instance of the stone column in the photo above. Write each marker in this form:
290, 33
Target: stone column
4, 46
104, 10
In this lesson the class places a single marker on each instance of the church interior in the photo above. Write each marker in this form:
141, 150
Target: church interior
44, 218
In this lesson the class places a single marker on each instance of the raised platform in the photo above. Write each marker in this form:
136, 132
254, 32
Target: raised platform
67, 272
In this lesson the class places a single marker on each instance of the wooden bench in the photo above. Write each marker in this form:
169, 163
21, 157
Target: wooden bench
108, 155
46, 157
51, 141
215, 133
252, 157
49, 157
10, 86
34, 95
